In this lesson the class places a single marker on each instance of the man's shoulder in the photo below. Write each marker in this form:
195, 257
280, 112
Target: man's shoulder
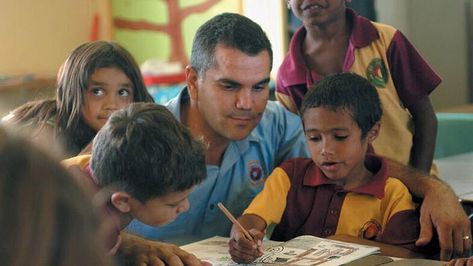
280, 131
275, 110
276, 118
174, 104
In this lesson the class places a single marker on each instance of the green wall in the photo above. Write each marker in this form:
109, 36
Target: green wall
145, 44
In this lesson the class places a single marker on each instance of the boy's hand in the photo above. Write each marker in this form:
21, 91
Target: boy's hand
244, 250
143, 252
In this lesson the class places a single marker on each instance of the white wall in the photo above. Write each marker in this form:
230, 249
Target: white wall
271, 15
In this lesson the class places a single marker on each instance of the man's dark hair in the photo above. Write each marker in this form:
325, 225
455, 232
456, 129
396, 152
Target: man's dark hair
144, 151
230, 30
346, 92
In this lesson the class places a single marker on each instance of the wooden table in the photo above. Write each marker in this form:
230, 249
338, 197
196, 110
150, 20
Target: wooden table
399, 255
385, 249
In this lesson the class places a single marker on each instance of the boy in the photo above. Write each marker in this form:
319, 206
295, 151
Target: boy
335, 39
341, 189
144, 164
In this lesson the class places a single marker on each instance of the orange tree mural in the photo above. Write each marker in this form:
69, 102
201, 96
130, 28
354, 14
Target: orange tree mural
176, 19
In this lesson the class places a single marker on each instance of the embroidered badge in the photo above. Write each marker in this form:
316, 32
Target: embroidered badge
370, 230
256, 171
377, 73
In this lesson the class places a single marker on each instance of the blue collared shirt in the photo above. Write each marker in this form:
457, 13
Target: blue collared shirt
241, 175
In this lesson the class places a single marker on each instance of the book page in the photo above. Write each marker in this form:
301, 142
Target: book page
303, 250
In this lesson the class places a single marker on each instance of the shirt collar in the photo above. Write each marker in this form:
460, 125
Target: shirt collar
91, 177
313, 177
362, 34
362, 30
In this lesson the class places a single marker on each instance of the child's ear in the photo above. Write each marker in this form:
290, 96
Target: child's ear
374, 132
122, 201
192, 79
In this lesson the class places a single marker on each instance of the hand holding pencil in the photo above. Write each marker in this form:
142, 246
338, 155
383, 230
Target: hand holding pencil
245, 246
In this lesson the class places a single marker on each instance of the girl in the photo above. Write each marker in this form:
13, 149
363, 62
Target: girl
96, 79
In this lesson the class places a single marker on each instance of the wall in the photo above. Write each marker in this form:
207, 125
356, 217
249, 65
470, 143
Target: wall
37, 35
161, 30
270, 16
439, 32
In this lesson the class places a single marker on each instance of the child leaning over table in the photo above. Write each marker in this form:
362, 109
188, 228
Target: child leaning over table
341, 190
144, 164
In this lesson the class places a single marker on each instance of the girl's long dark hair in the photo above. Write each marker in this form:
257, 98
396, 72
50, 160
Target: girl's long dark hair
65, 112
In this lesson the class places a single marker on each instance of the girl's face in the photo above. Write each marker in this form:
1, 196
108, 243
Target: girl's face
108, 90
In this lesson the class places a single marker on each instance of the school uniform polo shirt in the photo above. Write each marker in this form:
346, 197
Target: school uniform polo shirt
382, 55
111, 215
241, 175
303, 201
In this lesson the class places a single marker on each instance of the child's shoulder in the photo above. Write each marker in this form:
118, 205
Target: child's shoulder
385, 31
384, 27
395, 188
82, 161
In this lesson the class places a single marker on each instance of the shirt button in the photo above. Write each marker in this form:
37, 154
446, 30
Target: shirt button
333, 211
212, 206
327, 232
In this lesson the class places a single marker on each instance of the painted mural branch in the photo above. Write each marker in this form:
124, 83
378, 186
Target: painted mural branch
173, 27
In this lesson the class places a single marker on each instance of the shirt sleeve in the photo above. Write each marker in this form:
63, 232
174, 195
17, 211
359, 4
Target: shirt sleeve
411, 74
270, 203
401, 221
282, 96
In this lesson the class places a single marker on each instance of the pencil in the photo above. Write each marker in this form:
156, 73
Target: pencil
234, 221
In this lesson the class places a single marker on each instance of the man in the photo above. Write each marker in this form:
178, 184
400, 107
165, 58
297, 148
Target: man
226, 104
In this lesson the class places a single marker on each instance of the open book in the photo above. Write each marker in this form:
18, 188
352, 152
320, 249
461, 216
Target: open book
302, 250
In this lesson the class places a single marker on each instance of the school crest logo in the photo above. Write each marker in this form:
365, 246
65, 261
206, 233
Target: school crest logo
377, 73
256, 172
370, 230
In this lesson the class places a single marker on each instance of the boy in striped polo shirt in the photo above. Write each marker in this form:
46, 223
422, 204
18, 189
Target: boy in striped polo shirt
341, 189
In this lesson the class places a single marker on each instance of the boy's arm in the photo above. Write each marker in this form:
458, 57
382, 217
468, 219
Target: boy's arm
140, 251
425, 124
440, 209
250, 221
242, 249
258, 215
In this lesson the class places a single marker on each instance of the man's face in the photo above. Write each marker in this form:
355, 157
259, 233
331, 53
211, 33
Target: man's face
232, 95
